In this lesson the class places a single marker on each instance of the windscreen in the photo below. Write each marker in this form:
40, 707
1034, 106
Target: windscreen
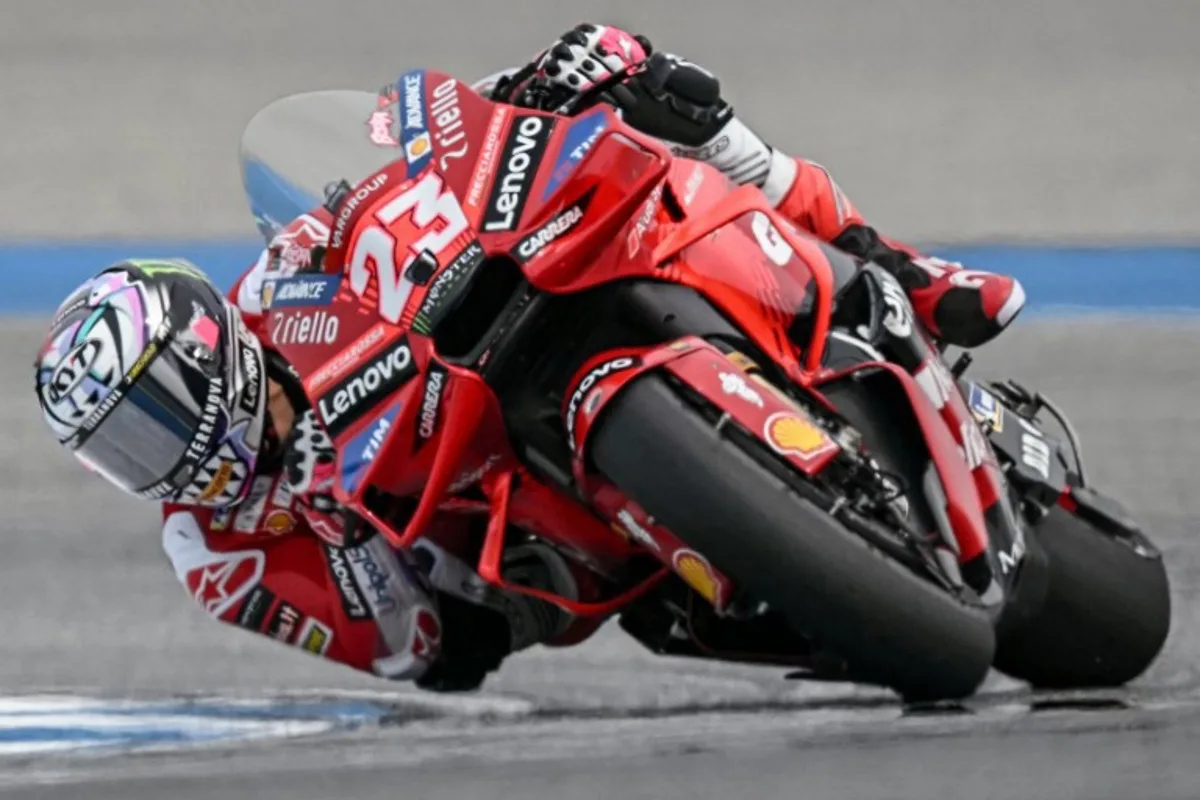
296, 146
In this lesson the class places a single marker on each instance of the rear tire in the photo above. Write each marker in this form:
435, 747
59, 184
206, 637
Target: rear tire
1105, 617
891, 627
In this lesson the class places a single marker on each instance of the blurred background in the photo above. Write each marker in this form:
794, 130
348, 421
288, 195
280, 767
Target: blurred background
1055, 139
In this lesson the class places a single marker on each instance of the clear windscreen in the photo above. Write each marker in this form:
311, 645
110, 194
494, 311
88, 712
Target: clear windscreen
294, 147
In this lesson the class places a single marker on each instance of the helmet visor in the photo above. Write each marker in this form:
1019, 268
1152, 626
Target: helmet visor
155, 433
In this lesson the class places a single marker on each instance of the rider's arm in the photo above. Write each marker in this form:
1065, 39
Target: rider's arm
246, 292
259, 569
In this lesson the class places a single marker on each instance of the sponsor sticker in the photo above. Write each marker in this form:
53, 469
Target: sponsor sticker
353, 602
447, 286
986, 408
487, 159
790, 434
348, 358
304, 328
431, 402
576, 144
644, 222
251, 511
283, 623
696, 573
361, 451
448, 130
603, 370
300, 290
414, 121
254, 609
532, 245
733, 383
279, 522
519, 161
314, 637
366, 387
379, 129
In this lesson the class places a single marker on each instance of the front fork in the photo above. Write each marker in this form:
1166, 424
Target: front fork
902, 339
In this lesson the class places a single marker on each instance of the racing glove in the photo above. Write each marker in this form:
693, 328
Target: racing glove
309, 461
665, 96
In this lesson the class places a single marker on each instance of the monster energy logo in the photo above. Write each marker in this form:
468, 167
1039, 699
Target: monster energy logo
171, 266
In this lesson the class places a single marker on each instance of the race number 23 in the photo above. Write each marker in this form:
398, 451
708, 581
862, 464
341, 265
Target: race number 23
426, 216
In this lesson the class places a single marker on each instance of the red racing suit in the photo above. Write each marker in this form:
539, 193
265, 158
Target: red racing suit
258, 566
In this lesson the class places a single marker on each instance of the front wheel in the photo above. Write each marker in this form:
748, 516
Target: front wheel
891, 627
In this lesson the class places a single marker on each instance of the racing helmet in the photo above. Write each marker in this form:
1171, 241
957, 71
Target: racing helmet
150, 378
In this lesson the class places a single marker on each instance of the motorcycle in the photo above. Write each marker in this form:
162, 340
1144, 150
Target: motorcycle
551, 325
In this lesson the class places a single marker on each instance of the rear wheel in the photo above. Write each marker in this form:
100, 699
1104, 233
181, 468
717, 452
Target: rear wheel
891, 627
1105, 616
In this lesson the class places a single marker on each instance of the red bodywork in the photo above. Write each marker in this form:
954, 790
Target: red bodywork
575, 212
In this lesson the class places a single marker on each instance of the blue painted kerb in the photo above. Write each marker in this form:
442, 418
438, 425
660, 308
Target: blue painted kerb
37, 275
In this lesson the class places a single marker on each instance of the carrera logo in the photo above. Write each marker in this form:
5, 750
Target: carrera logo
366, 388
533, 244
431, 404
523, 151
589, 381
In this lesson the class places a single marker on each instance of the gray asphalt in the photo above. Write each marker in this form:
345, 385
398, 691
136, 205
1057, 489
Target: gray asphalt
1070, 120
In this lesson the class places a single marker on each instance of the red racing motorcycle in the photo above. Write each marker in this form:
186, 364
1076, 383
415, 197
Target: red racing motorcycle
552, 325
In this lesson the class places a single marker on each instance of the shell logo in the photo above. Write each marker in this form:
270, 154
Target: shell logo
267, 295
418, 146
696, 573
790, 434
279, 522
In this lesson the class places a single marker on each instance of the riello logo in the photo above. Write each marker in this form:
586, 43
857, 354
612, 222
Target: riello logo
305, 327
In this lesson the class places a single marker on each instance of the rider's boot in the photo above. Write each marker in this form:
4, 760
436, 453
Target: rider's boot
483, 625
958, 306
961, 307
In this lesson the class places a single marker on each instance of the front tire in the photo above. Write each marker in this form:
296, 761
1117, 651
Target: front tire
891, 627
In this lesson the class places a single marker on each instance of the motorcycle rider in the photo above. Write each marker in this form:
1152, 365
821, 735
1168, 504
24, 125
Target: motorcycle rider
155, 381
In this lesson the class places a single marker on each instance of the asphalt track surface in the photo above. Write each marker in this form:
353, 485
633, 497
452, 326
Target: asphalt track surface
1063, 120
90, 604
